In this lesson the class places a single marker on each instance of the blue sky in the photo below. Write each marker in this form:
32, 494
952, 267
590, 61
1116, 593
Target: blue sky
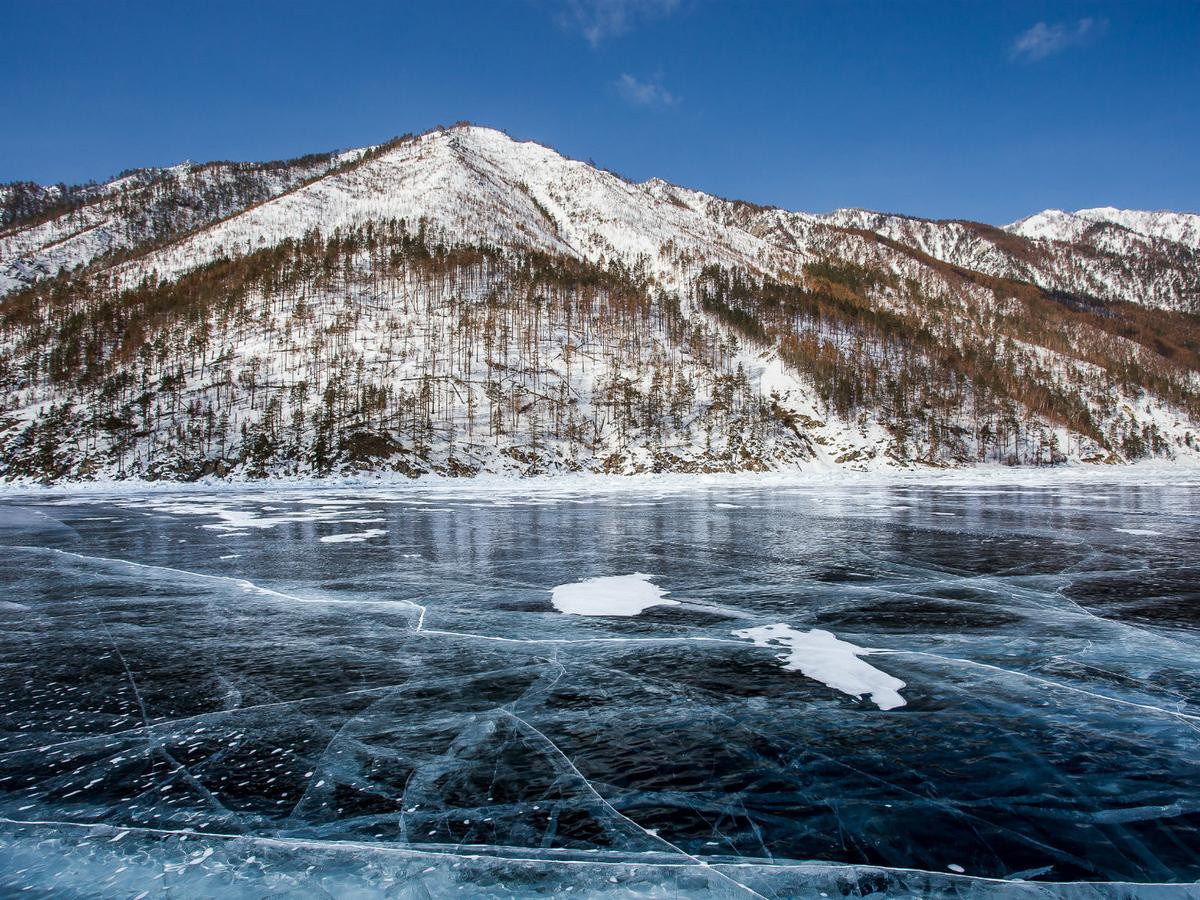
978, 110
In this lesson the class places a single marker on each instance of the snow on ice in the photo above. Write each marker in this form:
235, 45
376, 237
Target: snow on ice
611, 595
821, 656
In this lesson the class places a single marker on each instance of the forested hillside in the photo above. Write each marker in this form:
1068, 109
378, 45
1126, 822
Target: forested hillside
458, 302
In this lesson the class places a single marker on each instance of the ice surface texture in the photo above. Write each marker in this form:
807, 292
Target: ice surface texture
820, 689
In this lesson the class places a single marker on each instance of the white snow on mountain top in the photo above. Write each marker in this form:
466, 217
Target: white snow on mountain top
1057, 225
476, 184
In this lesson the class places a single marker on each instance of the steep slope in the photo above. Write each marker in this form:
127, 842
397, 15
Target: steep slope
480, 187
461, 302
382, 348
57, 228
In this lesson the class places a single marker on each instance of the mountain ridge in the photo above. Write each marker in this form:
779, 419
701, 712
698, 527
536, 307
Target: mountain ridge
849, 338
1047, 225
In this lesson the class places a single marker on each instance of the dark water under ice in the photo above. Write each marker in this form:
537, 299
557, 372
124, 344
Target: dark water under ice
335, 692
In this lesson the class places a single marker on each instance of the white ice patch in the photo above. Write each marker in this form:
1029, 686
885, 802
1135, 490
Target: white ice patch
610, 595
353, 537
1144, 532
825, 658
236, 518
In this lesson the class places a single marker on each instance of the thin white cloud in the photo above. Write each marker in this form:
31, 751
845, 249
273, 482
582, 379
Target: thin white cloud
598, 20
1044, 40
644, 93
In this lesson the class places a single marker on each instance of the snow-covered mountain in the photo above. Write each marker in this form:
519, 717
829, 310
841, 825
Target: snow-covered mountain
459, 301
479, 184
56, 228
1056, 225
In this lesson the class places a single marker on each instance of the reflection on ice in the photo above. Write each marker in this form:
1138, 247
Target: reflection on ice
822, 657
353, 537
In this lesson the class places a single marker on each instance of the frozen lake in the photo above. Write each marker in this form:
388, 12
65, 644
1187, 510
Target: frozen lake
789, 691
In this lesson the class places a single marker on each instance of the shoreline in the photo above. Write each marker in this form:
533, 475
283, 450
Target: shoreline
1142, 474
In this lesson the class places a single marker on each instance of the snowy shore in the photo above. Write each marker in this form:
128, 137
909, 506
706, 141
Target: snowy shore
1148, 473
